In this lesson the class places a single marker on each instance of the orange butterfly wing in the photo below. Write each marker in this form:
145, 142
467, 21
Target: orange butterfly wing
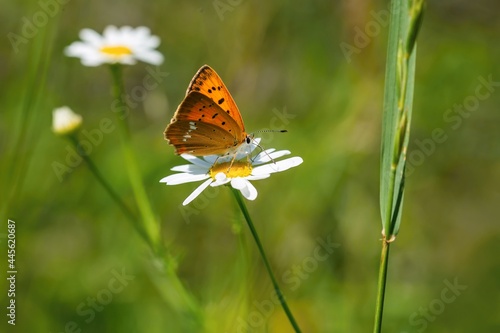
208, 82
207, 122
200, 127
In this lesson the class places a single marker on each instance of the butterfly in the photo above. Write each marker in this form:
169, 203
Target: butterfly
207, 122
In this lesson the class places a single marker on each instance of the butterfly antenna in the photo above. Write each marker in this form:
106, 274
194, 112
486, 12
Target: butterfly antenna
262, 148
272, 131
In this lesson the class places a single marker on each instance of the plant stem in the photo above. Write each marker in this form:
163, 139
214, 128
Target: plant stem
150, 224
277, 289
382, 278
405, 22
112, 193
172, 288
19, 158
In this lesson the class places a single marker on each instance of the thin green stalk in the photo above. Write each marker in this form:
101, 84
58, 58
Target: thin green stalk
171, 289
382, 278
243, 269
23, 144
174, 290
277, 289
112, 193
406, 19
150, 223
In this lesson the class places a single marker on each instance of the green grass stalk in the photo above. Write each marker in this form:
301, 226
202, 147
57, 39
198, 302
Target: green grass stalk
406, 19
24, 142
246, 214
109, 189
171, 288
151, 225
382, 278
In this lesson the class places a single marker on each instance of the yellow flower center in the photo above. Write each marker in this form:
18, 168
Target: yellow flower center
237, 169
116, 51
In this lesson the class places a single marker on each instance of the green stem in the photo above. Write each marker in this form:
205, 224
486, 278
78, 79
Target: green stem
277, 289
173, 290
183, 299
150, 224
19, 158
112, 193
382, 278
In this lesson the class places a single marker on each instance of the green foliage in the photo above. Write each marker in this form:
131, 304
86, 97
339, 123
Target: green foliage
398, 102
273, 56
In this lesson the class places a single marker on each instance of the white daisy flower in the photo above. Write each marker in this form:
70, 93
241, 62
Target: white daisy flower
65, 121
123, 45
238, 174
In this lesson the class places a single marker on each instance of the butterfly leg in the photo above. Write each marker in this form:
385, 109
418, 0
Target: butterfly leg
232, 162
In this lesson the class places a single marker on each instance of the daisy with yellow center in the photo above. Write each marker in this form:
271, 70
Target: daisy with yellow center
216, 171
124, 45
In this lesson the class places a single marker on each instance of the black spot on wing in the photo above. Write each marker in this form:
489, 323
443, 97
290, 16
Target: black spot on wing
221, 101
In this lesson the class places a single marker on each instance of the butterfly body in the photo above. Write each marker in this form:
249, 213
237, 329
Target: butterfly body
207, 122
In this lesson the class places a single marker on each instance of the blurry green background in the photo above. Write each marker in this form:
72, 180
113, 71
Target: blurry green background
273, 56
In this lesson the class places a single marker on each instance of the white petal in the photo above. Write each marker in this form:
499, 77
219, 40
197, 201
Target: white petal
111, 34
126, 31
278, 166
255, 143
190, 168
88, 54
269, 155
197, 161
246, 188
259, 177
220, 179
197, 192
142, 33
93, 60
145, 38
151, 56
125, 60
91, 37
267, 151
238, 183
181, 178
243, 151
211, 159
77, 49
